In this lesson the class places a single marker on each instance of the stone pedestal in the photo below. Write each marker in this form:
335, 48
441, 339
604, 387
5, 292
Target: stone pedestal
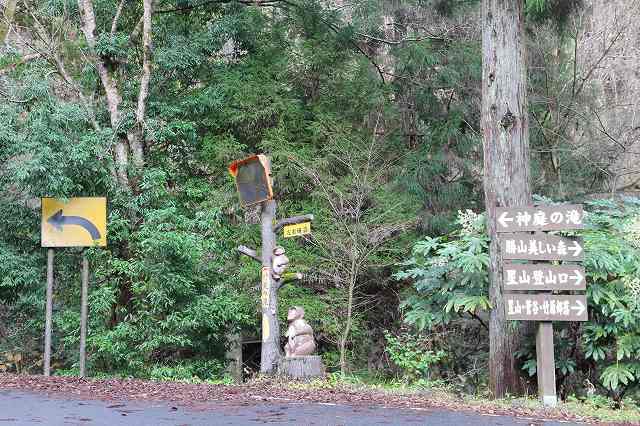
302, 367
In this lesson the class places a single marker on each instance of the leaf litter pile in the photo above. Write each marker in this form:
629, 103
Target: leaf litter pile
256, 391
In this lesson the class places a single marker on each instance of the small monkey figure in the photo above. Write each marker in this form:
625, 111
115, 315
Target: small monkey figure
279, 262
300, 334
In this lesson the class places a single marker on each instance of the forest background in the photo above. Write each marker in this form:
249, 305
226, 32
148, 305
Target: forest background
370, 112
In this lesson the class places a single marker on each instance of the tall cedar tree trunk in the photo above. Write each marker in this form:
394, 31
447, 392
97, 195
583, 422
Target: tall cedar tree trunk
506, 163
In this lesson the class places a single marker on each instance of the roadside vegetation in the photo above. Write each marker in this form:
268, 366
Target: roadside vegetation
370, 112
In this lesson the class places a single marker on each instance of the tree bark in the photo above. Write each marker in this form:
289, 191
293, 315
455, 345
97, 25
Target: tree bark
270, 353
347, 328
121, 149
136, 137
506, 163
129, 142
7, 21
83, 315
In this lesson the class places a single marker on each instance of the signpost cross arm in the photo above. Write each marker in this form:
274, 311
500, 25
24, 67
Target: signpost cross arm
294, 220
249, 252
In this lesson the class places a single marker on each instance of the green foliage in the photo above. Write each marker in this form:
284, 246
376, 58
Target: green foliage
227, 81
449, 274
618, 374
557, 11
412, 356
365, 155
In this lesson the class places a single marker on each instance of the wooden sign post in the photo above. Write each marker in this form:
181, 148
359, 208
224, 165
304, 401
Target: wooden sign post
517, 244
77, 222
254, 184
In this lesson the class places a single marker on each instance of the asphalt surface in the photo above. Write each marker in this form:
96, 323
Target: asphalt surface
28, 408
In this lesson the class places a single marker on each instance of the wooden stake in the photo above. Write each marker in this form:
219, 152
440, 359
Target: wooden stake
83, 315
545, 363
234, 356
48, 314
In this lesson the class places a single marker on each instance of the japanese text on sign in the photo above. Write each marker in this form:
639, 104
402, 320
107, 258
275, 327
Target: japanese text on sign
265, 287
541, 247
543, 218
543, 277
545, 307
296, 230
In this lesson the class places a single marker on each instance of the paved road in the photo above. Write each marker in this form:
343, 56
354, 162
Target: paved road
26, 408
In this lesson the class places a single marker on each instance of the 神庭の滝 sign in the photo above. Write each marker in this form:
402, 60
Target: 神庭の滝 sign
542, 218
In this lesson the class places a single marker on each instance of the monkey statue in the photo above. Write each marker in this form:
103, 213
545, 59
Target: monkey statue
279, 262
300, 334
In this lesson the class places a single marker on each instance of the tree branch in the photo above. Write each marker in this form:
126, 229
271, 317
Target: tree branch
24, 59
262, 3
482, 323
121, 154
67, 78
15, 101
137, 139
114, 24
401, 41
250, 253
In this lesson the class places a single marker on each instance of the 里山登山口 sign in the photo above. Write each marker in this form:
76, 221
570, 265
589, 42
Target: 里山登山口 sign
545, 307
541, 247
78, 222
543, 277
542, 218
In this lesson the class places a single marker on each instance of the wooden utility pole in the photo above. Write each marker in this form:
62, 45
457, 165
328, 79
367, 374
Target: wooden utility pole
258, 184
83, 314
505, 132
270, 351
48, 314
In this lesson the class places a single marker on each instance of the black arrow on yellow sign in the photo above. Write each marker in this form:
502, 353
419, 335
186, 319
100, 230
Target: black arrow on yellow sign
58, 221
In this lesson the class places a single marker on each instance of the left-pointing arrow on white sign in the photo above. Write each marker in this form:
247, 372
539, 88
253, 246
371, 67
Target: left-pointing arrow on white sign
504, 219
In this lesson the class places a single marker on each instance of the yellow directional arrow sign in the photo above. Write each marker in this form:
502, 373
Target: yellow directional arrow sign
78, 222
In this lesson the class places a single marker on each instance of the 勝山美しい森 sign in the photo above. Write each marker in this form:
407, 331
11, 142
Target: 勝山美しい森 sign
541, 247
